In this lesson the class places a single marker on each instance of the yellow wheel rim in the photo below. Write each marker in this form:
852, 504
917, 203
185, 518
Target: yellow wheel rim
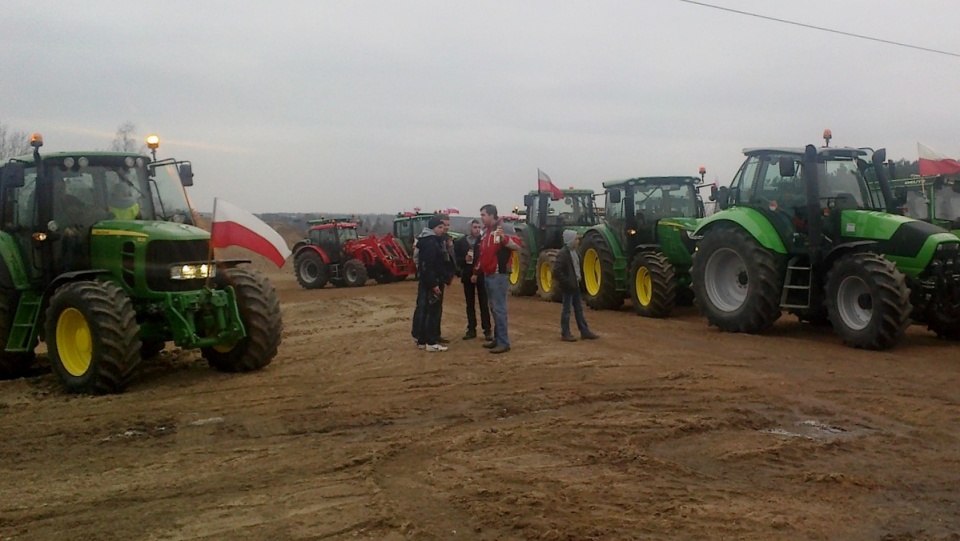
546, 277
74, 342
644, 285
591, 271
515, 268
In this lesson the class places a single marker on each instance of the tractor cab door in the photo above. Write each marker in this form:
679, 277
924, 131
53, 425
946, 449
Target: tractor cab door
20, 220
327, 240
617, 220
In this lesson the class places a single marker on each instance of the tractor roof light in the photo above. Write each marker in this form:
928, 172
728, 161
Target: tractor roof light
827, 136
153, 141
36, 140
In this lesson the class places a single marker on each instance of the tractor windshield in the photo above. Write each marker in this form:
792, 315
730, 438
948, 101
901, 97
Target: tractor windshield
655, 201
573, 209
348, 233
840, 179
169, 199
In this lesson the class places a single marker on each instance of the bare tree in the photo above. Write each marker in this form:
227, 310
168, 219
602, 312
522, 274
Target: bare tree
125, 139
13, 142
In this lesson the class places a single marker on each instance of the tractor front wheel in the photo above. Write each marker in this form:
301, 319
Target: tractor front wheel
354, 273
92, 337
653, 286
737, 282
547, 288
12, 365
868, 301
312, 272
260, 312
598, 275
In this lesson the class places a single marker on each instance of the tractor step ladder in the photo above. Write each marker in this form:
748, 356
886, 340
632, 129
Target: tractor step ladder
798, 285
23, 334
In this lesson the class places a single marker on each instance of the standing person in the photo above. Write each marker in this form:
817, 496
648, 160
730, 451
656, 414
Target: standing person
466, 249
447, 274
567, 274
493, 265
449, 268
433, 271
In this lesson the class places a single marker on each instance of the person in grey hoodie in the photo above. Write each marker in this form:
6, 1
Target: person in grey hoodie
567, 275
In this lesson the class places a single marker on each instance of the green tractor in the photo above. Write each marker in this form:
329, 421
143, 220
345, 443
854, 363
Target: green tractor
101, 260
407, 226
931, 199
815, 232
541, 235
644, 247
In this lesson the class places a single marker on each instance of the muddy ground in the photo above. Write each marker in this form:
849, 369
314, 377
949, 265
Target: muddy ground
660, 430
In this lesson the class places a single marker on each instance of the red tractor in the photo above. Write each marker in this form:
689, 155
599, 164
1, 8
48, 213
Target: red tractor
334, 252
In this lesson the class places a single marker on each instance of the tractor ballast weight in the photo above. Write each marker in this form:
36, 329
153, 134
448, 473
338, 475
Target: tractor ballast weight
105, 292
837, 256
334, 252
643, 249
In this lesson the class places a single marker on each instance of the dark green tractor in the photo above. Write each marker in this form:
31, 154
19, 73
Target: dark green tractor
931, 199
643, 250
541, 236
816, 233
101, 260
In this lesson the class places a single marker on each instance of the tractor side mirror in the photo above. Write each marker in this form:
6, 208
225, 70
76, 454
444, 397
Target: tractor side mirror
722, 197
13, 175
528, 200
186, 174
787, 167
615, 196
880, 156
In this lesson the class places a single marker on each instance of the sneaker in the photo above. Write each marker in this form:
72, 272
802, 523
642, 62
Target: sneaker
488, 336
500, 349
432, 348
589, 335
568, 338
470, 335
421, 346
490, 345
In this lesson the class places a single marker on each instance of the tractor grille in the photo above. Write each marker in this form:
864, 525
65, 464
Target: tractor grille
163, 253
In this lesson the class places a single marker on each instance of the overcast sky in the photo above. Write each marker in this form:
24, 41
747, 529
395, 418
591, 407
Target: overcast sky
381, 106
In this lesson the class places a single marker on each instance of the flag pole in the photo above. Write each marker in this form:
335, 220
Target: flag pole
211, 253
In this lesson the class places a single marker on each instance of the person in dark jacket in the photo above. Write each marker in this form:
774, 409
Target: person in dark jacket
567, 275
466, 250
434, 266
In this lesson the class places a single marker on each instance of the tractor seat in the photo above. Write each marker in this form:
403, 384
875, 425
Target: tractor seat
846, 201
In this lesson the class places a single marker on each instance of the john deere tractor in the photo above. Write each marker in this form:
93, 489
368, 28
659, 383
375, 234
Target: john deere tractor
541, 236
407, 226
643, 248
813, 231
101, 260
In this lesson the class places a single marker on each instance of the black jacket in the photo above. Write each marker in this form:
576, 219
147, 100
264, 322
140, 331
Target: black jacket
460, 249
564, 274
431, 261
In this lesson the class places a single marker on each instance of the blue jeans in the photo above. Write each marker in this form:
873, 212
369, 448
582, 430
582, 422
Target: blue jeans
498, 286
574, 300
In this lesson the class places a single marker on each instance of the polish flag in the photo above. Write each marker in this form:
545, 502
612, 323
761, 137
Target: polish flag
233, 226
544, 184
452, 210
933, 163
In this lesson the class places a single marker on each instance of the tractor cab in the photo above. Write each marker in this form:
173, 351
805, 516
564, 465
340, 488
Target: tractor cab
548, 217
333, 236
934, 200
636, 207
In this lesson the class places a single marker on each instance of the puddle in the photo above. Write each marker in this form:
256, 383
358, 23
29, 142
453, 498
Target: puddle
813, 429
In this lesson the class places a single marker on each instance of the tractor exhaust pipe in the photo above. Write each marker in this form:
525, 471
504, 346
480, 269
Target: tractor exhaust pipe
883, 177
814, 214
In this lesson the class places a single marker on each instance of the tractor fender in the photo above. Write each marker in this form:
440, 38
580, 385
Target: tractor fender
837, 252
609, 237
73, 276
301, 247
13, 271
754, 223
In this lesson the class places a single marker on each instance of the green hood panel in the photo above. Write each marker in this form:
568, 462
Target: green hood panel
869, 224
149, 230
755, 223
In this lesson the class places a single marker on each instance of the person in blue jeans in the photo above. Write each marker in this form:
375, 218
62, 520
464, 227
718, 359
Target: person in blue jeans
493, 264
567, 275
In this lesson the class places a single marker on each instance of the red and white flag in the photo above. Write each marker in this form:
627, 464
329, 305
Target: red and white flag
933, 163
233, 226
452, 210
544, 184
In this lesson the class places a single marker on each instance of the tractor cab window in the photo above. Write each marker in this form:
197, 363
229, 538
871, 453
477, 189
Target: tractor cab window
76, 203
787, 192
652, 202
326, 236
348, 233
168, 199
947, 198
402, 229
746, 178
24, 202
571, 210
842, 181
917, 205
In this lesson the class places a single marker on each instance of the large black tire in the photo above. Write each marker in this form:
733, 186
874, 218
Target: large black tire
737, 282
12, 365
868, 301
311, 271
652, 285
597, 262
92, 337
547, 288
354, 273
519, 285
260, 313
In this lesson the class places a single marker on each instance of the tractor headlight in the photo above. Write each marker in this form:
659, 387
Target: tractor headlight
192, 271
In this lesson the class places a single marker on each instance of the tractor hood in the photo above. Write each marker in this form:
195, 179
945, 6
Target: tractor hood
152, 230
910, 243
686, 224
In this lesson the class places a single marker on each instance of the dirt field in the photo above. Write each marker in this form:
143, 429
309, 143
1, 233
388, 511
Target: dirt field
660, 430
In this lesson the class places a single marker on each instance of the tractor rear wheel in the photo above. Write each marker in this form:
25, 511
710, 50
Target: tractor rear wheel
598, 276
260, 312
868, 301
547, 288
653, 286
737, 282
12, 365
354, 273
519, 265
312, 272
92, 337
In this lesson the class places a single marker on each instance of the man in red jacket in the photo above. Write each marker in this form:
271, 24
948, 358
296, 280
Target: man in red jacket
493, 263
